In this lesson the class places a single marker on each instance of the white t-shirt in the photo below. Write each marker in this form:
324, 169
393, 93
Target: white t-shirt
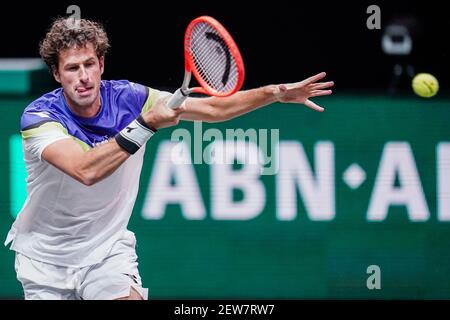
63, 221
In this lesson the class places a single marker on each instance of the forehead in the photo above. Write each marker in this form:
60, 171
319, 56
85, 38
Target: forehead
77, 54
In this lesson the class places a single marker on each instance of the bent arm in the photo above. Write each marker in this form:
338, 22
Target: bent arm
88, 167
94, 165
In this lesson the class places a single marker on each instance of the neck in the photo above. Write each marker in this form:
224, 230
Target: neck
84, 111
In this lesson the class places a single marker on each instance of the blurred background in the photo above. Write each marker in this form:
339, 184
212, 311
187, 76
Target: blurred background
366, 183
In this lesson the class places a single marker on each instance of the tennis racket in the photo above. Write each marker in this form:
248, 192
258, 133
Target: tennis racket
211, 54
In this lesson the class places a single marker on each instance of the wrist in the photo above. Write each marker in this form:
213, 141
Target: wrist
150, 121
273, 93
135, 135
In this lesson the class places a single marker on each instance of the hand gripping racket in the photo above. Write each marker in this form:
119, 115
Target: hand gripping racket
213, 57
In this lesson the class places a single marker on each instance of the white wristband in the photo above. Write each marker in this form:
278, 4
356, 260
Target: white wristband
135, 135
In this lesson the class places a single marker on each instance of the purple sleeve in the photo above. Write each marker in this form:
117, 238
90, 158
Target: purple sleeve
141, 92
32, 118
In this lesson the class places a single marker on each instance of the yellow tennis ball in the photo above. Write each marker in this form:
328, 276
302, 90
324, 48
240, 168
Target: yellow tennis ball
425, 85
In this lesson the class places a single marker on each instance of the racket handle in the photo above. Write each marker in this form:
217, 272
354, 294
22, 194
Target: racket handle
176, 100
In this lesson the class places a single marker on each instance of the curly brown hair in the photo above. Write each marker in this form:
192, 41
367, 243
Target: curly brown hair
66, 33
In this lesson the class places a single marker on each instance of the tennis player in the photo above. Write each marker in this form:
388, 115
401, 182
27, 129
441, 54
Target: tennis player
83, 148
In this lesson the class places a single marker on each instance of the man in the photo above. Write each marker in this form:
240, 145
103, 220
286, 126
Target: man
83, 147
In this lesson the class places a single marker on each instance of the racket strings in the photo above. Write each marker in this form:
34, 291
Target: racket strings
212, 58
208, 65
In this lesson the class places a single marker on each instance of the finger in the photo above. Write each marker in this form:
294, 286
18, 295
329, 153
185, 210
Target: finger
318, 93
180, 109
314, 78
321, 85
307, 81
313, 106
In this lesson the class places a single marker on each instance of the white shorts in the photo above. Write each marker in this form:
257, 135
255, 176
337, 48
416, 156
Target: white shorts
111, 279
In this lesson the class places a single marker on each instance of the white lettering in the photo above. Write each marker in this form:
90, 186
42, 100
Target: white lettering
183, 191
397, 160
317, 192
224, 180
443, 181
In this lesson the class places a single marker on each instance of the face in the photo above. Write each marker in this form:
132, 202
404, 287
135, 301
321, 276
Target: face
79, 72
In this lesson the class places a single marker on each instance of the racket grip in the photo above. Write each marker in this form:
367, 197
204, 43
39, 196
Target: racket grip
176, 100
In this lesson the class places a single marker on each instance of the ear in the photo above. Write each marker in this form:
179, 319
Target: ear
56, 74
101, 62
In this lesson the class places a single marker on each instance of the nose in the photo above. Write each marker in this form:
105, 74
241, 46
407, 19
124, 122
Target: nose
84, 76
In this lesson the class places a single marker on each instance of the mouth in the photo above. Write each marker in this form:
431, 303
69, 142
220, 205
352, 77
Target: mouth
84, 91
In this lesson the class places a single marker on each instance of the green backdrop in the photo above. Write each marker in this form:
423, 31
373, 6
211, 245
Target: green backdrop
365, 183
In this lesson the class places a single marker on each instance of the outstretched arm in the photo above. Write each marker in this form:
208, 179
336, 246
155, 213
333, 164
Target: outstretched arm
216, 109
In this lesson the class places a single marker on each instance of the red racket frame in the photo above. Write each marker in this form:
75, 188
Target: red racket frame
189, 64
